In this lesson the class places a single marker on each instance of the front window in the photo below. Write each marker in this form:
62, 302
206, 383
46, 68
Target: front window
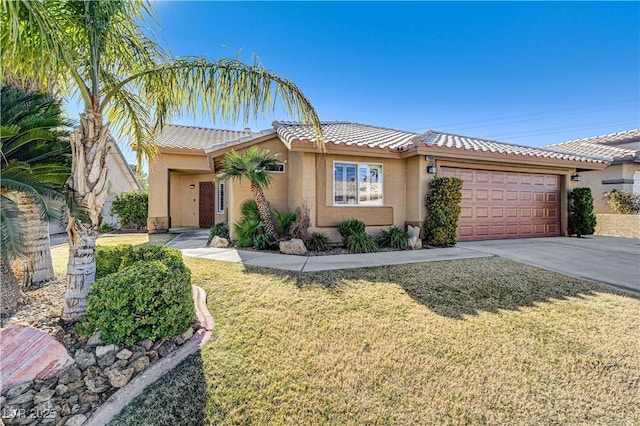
221, 198
357, 184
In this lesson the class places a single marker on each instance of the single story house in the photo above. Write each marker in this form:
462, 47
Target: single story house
621, 150
375, 174
120, 177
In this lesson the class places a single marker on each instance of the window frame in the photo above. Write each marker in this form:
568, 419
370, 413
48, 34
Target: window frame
357, 164
220, 207
279, 163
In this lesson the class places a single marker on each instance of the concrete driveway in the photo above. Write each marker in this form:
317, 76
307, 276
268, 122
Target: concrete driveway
608, 260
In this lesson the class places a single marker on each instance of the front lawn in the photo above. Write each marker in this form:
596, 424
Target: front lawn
477, 341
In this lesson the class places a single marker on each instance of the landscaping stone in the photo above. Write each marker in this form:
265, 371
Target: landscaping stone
415, 243
103, 350
87, 397
146, 344
219, 242
119, 378
76, 420
107, 359
92, 372
84, 359
43, 396
76, 385
153, 356
187, 334
94, 340
166, 347
69, 374
293, 246
19, 389
97, 384
61, 389
124, 354
23, 398
140, 364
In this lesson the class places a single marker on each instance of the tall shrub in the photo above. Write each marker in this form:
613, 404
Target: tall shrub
443, 210
582, 221
133, 209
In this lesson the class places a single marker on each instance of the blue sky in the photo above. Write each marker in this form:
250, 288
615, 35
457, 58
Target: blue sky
529, 73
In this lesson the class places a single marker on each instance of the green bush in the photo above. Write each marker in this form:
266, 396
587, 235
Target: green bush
106, 228
220, 230
393, 237
133, 209
109, 258
147, 300
350, 227
361, 242
623, 202
443, 210
169, 256
285, 222
582, 221
246, 230
318, 241
264, 242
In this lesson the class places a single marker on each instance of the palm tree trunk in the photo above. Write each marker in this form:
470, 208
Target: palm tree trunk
89, 184
263, 208
37, 266
10, 294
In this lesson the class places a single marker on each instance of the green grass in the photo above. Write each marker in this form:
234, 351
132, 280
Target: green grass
476, 341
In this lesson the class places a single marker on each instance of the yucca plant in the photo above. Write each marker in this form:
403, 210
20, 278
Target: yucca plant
393, 237
318, 241
361, 242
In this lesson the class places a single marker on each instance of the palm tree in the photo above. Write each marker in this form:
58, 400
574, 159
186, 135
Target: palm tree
100, 51
252, 165
33, 141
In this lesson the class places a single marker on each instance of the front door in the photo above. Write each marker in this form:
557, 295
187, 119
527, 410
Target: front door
205, 217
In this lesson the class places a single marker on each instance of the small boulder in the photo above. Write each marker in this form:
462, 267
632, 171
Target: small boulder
97, 384
87, 397
119, 378
413, 231
415, 243
23, 398
187, 334
219, 242
43, 396
146, 344
61, 389
69, 374
84, 359
166, 347
107, 359
140, 364
103, 350
293, 246
124, 354
18, 389
95, 340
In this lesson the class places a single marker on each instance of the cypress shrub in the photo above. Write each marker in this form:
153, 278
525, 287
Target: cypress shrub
443, 210
582, 221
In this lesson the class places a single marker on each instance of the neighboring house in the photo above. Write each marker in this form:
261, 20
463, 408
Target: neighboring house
375, 174
120, 177
621, 150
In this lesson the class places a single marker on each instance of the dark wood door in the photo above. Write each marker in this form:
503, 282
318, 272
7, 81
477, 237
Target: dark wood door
205, 216
497, 205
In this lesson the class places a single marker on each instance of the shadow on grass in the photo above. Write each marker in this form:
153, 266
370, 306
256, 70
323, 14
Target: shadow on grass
177, 398
458, 288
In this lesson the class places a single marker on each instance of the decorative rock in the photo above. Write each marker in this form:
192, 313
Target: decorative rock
95, 340
84, 359
22, 399
146, 344
69, 374
165, 348
119, 378
76, 420
187, 334
65, 410
219, 242
140, 364
87, 397
92, 372
124, 354
61, 389
18, 389
415, 243
293, 246
413, 231
103, 350
107, 360
43, 396
153, 355
84, 408
76, 385
97, 384
73, 400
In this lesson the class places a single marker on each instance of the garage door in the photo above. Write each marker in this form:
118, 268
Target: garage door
497, 205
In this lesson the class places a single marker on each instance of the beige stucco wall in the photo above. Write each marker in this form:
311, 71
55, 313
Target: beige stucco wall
593, 180
185, 200
618, 225
165, 178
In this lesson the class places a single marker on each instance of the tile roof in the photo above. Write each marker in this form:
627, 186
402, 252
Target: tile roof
345, 133
448, 140
174, 136
611, 138
603, 146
